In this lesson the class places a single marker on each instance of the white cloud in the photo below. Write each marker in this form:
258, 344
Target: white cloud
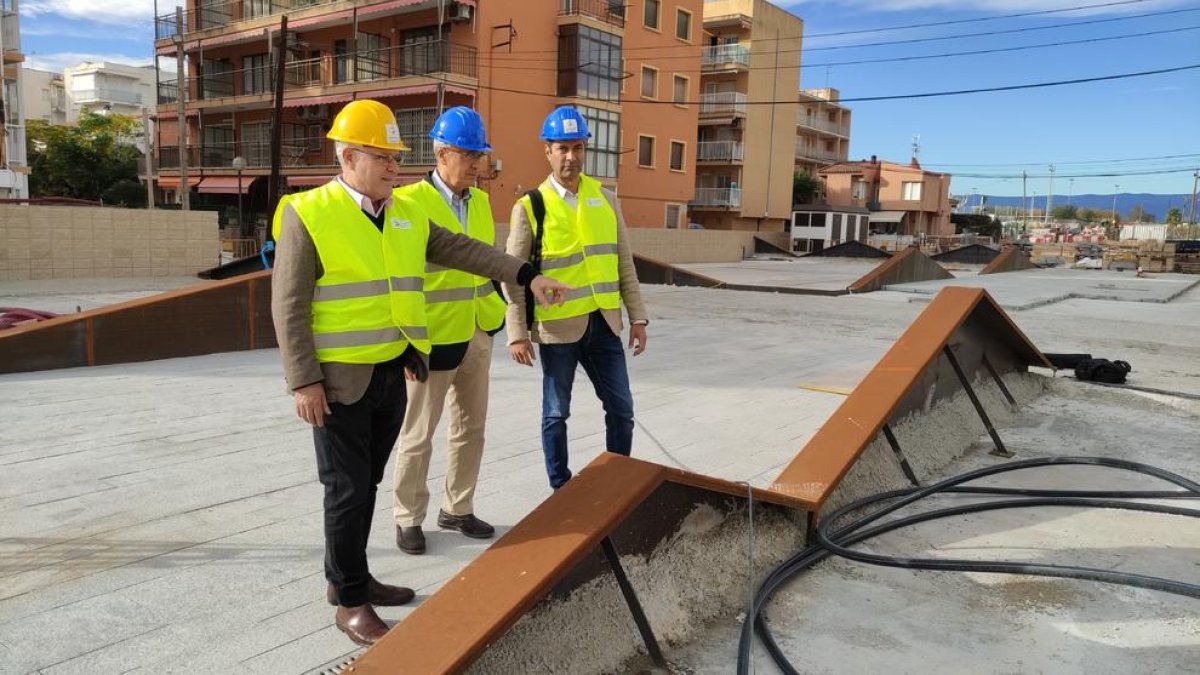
99, 11
57, 61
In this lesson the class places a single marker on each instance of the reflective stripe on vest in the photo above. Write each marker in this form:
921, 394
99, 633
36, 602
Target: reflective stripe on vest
368, 305
456, 301
579, 248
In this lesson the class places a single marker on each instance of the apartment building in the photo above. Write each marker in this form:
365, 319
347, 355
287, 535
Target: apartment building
14, 169
745, 150
512, 60
903, 199
102, 86
45, 96
822, 130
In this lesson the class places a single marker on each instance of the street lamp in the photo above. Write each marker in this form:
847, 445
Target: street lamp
1116, 189
238, 164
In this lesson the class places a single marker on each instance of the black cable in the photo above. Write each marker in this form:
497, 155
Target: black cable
829, 543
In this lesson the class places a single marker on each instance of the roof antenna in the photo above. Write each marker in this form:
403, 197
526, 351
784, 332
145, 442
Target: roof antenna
916, 151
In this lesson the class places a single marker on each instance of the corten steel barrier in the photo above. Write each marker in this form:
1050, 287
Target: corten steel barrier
971, 254
962, 330
1011, 259
557, 542
905, 267
963, 333
222, 316
653, 271
850, 249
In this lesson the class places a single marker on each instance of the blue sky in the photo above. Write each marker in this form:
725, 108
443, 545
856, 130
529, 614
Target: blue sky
988, 133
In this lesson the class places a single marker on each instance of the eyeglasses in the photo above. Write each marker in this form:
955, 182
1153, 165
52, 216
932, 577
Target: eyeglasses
469, 155
385, 160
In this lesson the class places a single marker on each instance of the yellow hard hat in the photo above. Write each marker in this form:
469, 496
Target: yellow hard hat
367, 122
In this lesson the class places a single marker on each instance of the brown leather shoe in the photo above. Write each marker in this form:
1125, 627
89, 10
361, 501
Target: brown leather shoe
411, 540
380, 594
361, 624
468, 525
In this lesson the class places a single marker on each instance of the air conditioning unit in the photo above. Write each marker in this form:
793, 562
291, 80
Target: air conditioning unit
302, 112
320, 112
459, 12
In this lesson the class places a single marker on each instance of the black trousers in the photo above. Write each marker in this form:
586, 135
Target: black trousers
352, 452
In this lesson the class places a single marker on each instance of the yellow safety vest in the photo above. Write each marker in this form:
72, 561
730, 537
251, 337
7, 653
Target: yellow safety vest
579, 248
277, 219
369, 304
457, 301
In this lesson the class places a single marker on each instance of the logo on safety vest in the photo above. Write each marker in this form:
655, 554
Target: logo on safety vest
595, 201
401, 224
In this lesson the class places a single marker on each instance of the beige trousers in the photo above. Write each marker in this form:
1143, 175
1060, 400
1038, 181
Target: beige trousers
466, 389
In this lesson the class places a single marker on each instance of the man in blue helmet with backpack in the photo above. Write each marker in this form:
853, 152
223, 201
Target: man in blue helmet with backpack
571, 229
464, 311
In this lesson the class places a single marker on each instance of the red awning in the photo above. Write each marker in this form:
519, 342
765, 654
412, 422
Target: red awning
172, 182
307, 181
225, 185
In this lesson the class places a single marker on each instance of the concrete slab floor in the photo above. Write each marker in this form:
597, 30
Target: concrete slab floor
64, 296
846, 617
149, 512
1033, 288
816, 273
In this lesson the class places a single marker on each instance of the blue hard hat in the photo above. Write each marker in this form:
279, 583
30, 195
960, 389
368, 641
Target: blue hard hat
565, 124
461, 127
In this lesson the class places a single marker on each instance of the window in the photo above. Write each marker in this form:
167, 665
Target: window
683, 25
673, 213
415, 124
604, 148
650, 14
646, 151
677, 155
217, 81
315, 136
649, 82
256, 143
370, 62
589, 63
858, 188
910, 191
256, 74
680, 93
218, 145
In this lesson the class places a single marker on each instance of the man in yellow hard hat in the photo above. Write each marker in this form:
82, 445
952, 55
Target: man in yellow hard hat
464, 311
349, 308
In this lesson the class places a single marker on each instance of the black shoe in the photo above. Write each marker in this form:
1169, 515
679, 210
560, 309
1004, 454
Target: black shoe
468, 525
410, 539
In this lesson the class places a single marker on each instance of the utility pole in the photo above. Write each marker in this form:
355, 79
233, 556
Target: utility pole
181, 90
1025, 215
274, 182
149, 158
1070, 190
1116, 189
1049, 196
1195, 181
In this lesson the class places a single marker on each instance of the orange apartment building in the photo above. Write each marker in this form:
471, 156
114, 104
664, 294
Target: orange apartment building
822, 130
512, 60
745, 150
903, 199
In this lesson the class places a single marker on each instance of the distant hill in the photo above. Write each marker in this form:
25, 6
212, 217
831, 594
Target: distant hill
1155, 204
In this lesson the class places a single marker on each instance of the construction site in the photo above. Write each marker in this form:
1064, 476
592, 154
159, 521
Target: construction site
162, 508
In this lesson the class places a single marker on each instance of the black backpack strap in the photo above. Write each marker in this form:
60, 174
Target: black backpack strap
538, 206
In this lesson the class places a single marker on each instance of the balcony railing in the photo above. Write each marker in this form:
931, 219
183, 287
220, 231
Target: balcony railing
719, 151
803, 151
107, 96
295, 151
724, 197
820, 124
608, 11
426, 58
219, 13
717, 56
723, 103
11, 31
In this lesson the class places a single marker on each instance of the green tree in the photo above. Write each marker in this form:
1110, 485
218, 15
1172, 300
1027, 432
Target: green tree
805, 187
1089, 216
1174, 216
95, 159
1139, 215
1065, 212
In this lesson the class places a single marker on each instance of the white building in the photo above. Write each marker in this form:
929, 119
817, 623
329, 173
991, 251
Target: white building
45, 96
105, 86
14, 169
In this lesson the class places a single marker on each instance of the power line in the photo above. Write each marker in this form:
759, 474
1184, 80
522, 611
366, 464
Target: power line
977, 19
1114, 174
1090, 161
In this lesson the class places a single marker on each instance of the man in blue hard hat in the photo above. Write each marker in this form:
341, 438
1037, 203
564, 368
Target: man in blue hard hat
573, 231
464, 311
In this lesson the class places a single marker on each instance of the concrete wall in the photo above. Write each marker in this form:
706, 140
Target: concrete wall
686, 246
63, 242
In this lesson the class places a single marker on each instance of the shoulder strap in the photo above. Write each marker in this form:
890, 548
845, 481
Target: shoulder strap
538, 205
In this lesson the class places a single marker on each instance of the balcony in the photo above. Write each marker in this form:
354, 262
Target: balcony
720, 57
725, 103
324, 75
809, 122
611, 12
719, 151
256, 153
730, 198
218, 14
107, 96
806, 153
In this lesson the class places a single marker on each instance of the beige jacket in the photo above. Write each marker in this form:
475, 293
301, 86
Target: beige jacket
520, 244
297, 268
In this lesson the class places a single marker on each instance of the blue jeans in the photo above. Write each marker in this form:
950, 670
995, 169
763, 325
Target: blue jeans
600, 353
